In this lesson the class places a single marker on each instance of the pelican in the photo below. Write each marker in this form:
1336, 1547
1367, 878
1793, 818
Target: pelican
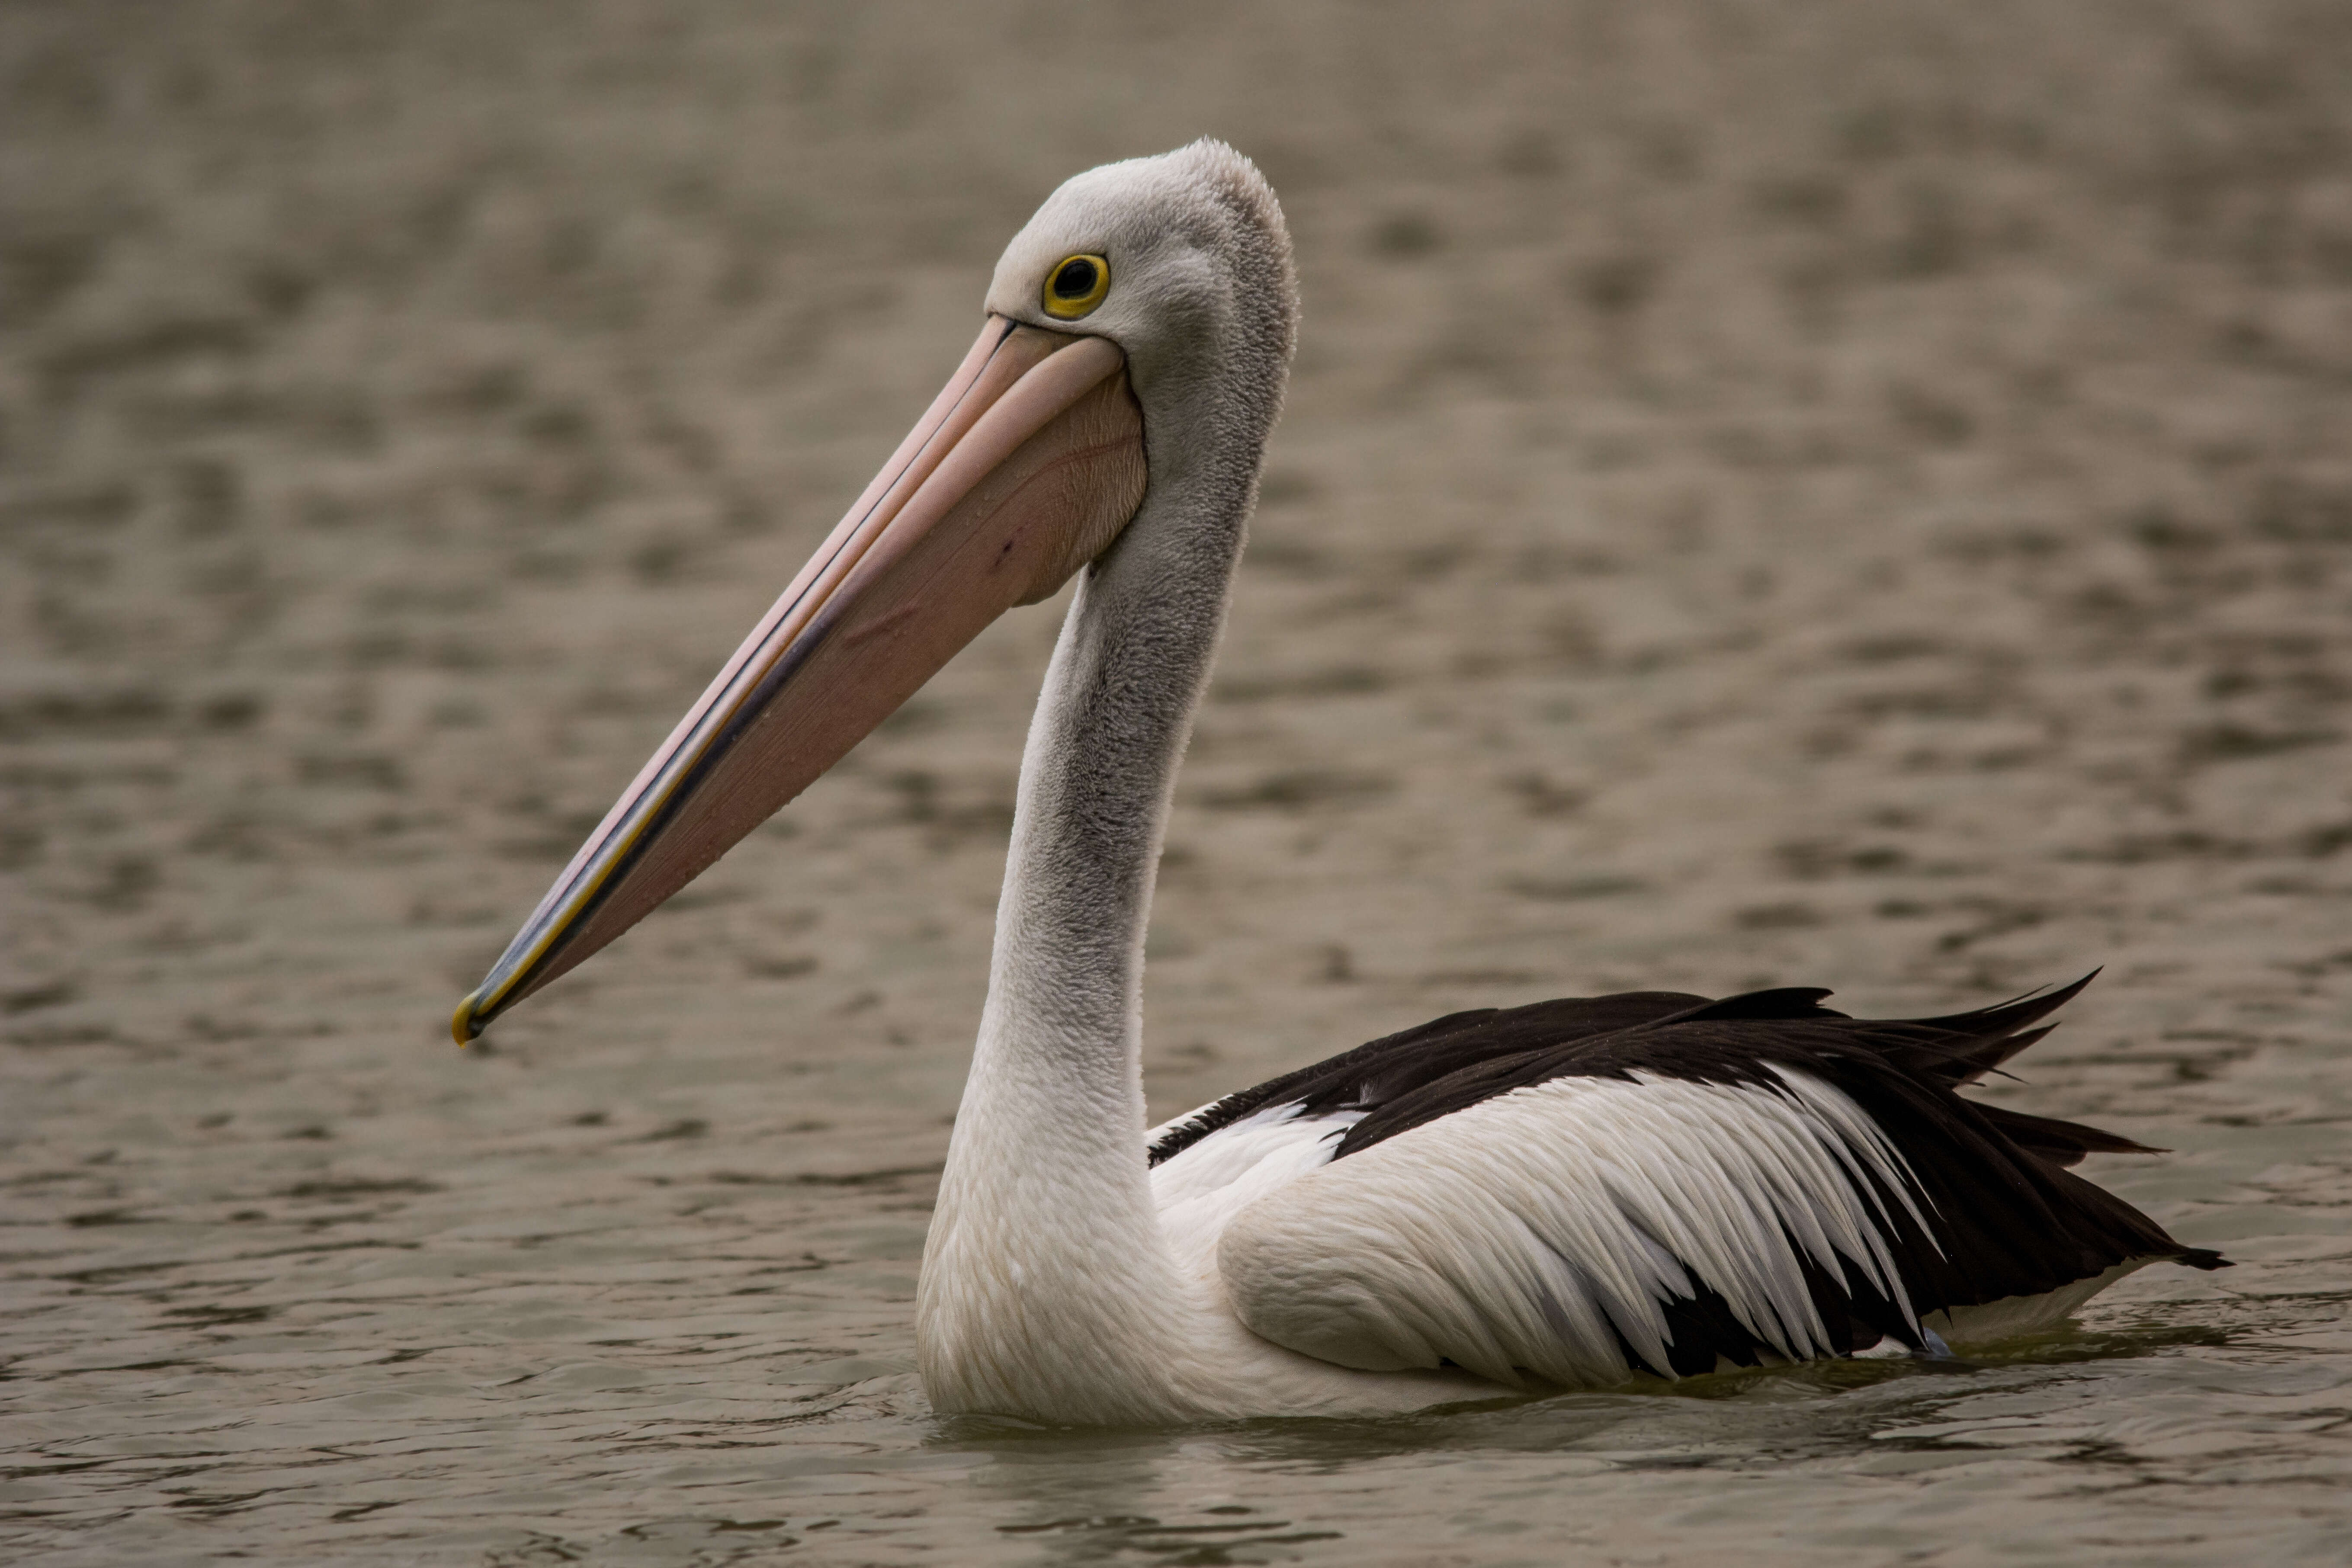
1581, 1194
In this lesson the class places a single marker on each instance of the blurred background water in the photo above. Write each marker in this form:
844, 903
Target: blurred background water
1857, 494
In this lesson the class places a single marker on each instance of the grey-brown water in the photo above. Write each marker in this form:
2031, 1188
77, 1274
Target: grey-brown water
1857, 494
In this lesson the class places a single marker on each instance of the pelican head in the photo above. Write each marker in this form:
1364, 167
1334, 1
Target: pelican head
1115, 404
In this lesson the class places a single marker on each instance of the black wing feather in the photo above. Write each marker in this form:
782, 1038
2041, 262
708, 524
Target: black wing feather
2008, 1218
1393, 1067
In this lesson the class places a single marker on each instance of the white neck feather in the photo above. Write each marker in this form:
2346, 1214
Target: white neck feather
1046, 1288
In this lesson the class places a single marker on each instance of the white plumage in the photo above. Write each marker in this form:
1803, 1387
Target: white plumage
1522, 1237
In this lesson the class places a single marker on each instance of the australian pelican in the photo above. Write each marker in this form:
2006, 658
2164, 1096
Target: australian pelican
1576, 1194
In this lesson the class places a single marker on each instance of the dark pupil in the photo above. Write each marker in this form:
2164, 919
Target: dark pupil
1075, 281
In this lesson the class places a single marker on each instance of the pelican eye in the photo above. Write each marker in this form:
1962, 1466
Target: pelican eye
1076, 286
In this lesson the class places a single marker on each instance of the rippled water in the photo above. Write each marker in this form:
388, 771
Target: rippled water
551, 1311
1855, 502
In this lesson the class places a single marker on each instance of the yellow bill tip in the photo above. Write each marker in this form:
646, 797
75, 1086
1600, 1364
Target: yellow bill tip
463, 1024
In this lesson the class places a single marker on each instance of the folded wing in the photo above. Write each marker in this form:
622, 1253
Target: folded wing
1753, 1180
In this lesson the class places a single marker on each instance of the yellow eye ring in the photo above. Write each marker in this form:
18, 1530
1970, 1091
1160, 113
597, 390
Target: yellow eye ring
1076, 286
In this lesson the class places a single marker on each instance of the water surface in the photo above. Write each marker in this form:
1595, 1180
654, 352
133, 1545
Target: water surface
1857, 500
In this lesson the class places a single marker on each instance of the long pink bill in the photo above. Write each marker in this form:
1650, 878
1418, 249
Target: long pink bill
1025, 467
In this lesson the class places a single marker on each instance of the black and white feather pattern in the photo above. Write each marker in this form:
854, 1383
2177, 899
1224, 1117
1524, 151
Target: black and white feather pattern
1576, 1190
